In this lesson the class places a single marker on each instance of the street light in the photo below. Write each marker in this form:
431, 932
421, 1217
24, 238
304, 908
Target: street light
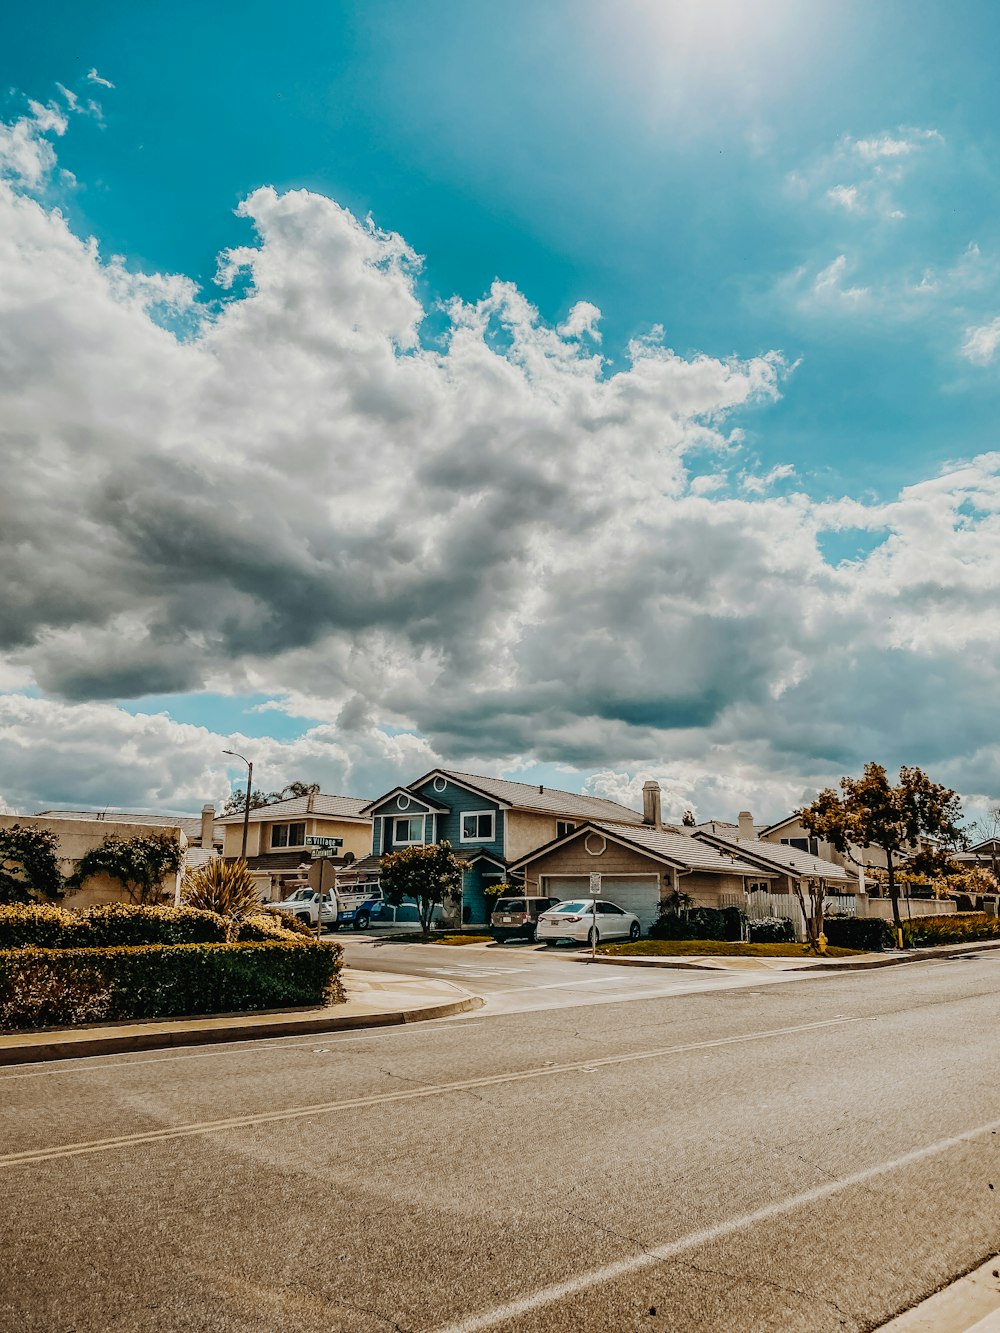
246, 808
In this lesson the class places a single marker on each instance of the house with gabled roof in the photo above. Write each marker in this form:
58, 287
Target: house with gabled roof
283, 837
490, 822
788, 866
639, 865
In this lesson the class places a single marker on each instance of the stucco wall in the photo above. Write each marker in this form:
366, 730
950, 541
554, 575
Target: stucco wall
868, 856
527, 830
357, 836
77, 836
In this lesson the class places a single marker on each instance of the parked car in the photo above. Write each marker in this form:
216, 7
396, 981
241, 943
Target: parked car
307, 905
517, 918
574, 920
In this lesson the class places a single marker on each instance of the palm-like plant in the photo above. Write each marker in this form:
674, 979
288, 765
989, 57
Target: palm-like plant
225, 887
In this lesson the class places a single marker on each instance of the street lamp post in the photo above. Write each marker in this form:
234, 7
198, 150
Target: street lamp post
246, 808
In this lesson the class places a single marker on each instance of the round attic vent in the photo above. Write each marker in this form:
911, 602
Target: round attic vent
403, 802
596, 844
440, 784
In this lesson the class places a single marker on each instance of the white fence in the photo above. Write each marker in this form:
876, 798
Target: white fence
786, 905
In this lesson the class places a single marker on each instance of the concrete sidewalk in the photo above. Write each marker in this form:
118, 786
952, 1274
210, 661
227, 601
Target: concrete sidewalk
374, 999
970, 1305
858, 963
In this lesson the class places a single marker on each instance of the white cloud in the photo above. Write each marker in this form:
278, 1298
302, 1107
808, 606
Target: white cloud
487, 548
829, 283
981, 342
847, 196
582, 320
26, 153
94, 77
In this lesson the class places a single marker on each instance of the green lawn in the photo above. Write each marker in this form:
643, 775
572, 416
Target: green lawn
715, 948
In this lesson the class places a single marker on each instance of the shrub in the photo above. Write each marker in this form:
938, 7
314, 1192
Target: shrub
115, 924
267, 924
923, 931
700, 923
34, 923
296, 926
42, 987
226, 887
859, 932
107, 926
772, 930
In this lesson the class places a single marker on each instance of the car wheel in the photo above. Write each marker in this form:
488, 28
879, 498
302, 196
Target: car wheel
304, 916
634, 930
361, 922
529, 934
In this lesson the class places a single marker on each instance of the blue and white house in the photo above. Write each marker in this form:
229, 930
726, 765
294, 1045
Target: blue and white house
490, 823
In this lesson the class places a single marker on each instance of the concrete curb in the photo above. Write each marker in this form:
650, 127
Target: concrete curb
73, 1045
682, 962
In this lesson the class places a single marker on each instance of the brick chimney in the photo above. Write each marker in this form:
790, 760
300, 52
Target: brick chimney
651, 804
208, 826
745, 819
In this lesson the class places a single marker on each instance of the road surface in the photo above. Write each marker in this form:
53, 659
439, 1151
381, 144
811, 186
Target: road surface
791, 1155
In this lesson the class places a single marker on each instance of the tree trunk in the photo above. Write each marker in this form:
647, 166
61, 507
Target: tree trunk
894, 896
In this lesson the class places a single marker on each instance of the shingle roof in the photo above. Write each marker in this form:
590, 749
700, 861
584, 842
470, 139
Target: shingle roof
333, 807
549, 800
785, 858
682, 848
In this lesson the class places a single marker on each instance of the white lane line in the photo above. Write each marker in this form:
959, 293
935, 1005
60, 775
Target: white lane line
405, 1095
594, 1277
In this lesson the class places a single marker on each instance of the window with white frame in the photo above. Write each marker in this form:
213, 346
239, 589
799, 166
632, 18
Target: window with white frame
478, 826
288, 835
407, 831
563, 827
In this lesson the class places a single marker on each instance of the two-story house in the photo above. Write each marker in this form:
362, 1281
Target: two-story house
490, 822
283, 837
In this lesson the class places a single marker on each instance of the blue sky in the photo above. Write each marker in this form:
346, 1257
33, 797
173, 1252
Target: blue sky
816, 180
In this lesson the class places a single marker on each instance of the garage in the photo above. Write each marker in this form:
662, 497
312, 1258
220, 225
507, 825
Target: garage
639, 894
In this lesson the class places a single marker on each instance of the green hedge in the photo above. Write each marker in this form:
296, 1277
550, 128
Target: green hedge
923, 931
870, 933
46, 987
110, 926
699, 923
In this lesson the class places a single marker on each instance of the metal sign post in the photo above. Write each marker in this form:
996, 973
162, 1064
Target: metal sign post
595, 893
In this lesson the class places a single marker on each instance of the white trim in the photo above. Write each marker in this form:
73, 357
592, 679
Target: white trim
402, 801
590, 850
473, 791
412, 842
466, 814
443, 781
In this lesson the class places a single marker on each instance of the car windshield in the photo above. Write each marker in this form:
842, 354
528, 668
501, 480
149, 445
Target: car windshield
510, 905
572, 907
300, 895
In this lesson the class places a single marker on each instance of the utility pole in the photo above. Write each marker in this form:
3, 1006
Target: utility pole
246, 807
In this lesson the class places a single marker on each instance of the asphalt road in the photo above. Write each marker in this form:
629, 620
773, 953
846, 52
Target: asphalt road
808, 1155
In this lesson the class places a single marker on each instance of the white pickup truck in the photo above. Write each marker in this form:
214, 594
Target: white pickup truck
307, 905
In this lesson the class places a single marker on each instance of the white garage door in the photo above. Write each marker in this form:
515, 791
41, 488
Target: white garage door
637, 894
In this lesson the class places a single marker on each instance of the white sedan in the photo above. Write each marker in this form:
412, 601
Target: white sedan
574, 920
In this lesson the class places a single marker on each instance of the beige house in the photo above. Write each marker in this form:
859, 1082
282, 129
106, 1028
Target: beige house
639, 864
787, 866
79, 832
791, 832
284, 837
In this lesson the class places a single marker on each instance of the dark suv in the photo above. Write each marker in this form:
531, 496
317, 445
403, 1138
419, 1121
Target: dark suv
516, 918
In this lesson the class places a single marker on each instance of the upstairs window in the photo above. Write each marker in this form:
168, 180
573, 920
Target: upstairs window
408, 831
563, 827
478, 826
288, 835
810, 845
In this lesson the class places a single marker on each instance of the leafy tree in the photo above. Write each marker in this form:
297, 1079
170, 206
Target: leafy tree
870, 812
687, 819
237, 802
29, 868
139, 864
431, 875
